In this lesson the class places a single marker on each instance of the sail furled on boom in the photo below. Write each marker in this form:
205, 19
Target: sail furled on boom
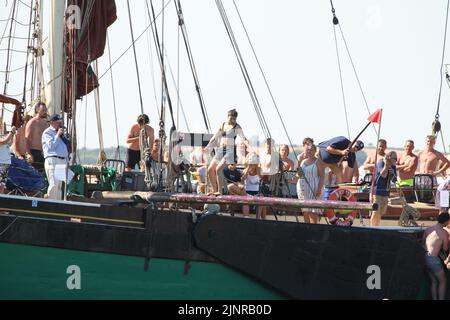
87, 25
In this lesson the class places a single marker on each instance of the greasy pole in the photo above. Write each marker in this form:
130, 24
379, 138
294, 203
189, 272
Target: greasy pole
153, 197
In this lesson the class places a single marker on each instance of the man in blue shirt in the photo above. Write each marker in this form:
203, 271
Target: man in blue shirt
54, 146
385, 174
233, 178
334, 151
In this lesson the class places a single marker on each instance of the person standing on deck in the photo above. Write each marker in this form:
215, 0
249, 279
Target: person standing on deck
307, 141
226, 153
407, 165
435, 239
369, 164
55, 149
5, 158
133, 138
432, 161
385, 173
336, 150
311, 182
33, 137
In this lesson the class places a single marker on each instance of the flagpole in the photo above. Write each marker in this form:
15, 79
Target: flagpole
376, 154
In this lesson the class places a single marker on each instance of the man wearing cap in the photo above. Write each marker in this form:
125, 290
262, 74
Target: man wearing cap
55, 150
334, 151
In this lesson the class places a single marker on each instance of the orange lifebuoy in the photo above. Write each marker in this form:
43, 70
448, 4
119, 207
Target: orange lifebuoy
341, 195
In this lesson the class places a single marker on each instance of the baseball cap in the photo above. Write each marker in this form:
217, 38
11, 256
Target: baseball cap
56, 117
359, 145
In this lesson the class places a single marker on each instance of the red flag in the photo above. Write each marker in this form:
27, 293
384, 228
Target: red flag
376, 116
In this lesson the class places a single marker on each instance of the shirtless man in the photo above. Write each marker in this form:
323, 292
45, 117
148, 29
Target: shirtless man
19, 146
134, 149
369, 164
436, 239
288, 164
429, 159
407, 165
350, 175
33, 137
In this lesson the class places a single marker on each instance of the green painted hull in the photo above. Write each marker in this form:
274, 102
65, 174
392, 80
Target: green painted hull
29, 272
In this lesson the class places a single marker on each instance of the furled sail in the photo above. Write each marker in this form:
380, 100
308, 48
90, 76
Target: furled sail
86, 38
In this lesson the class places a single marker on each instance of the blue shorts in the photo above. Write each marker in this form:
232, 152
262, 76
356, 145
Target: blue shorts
434, 264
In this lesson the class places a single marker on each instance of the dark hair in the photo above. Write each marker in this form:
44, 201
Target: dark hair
409, 141
233, 113
382, 141
443, 217
38, 105
308, 140
143, 119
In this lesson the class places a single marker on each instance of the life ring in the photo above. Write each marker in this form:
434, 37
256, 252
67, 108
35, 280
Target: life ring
341, 195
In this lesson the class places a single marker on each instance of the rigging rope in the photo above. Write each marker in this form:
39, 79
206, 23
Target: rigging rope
8, 59
114, 100
135, 58
30, 45
152, 69
137, 38
244, 71
336, 22
177, 88
436, 123
182, 24
271, 94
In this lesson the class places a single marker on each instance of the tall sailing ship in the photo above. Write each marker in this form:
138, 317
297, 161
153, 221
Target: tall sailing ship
133, 245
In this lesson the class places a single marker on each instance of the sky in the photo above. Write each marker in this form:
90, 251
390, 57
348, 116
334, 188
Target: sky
396, 47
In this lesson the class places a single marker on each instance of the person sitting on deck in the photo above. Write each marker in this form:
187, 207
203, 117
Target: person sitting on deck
407, 165
431, 161
311, 182
198, 162
385, 173
369, 164
226, 153
336, 150
5, 158
133, 141
19, 145
435, 240
251, 177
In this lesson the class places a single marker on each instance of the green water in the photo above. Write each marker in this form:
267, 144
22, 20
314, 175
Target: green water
41, 273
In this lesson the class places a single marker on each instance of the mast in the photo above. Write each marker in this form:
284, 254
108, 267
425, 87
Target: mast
52, 95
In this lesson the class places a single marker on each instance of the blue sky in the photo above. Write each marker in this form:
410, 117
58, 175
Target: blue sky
396, 47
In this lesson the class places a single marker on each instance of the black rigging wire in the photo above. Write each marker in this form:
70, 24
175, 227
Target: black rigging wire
336, 22
442, 62
265, 80
161, 60
436, 124
114, 98
8, 55
137, 38
135, 58
11, 15
30, 42
182, 25
244, 71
